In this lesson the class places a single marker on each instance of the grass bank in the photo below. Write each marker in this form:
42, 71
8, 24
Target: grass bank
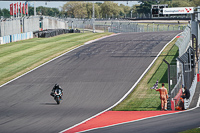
19, 57
196, 130
143, 98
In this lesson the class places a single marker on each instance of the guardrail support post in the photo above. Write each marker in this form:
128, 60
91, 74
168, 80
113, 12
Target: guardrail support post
169, 93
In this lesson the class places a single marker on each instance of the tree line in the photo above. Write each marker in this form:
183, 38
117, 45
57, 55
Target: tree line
107, 9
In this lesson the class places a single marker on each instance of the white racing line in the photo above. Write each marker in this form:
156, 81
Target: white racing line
128, 94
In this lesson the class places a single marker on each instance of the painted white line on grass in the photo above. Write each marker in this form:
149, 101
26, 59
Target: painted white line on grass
127, 92
54, 59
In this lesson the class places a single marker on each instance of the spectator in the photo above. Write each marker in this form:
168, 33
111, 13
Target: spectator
186, 93
163, 97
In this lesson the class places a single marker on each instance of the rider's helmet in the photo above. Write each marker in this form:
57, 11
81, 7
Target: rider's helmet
56, 86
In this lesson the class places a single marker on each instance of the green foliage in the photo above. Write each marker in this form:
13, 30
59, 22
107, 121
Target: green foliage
196, 130
109, 9
124, 10
76, 9
5, 13
181, 3
145, 7
44, 11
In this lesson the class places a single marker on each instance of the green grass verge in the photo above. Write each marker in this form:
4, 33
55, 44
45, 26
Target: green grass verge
196, 130
19, 57
143, 98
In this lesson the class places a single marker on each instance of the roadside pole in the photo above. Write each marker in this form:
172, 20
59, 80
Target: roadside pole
198, 34
93, 17
169, 93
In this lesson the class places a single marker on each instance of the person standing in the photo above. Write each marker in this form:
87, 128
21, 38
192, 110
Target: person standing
163, 97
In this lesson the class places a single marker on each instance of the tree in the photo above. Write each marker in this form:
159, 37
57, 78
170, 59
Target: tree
75, 9
109, 9
41, 10
134, 8
31, 10
5, 13
1, 13
181, 3
56, 11
125, 9
195, 3
89, 8
145, 7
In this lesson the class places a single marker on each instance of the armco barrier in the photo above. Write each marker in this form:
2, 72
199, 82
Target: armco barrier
6, 39
23, 36
1, 40
177, 97
192, 91
173, 104
16, 37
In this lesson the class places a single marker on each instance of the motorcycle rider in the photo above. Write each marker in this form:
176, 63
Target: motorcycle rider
56, 86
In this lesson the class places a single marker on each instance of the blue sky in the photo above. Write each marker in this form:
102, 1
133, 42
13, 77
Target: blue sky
57, 4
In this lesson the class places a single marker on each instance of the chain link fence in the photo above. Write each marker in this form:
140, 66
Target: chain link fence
183, 41
149, 16
119, 26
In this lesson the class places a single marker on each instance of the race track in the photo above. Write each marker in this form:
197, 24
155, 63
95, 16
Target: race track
93, 77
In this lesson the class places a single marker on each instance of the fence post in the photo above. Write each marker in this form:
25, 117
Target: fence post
153, 26
105, 27
111, 26
169, 93
136, 27
0, 31
83, 25
158, 27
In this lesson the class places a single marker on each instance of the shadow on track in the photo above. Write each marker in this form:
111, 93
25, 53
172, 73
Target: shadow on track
48, 104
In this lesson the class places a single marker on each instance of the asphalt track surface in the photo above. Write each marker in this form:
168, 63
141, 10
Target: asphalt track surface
172, 123
93, 77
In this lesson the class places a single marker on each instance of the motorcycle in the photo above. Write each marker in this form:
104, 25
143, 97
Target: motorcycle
57, 96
